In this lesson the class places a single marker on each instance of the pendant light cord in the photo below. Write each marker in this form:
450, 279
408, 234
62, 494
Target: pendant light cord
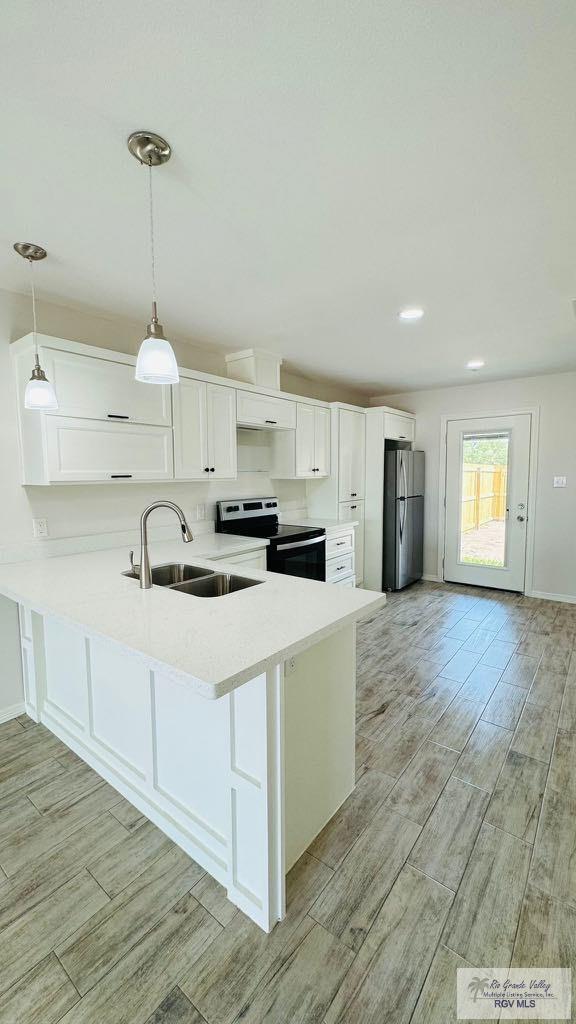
152, 255
36, 352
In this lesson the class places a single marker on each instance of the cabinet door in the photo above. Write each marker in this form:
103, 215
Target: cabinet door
398, 428
221, 412
322, 441
354, 511
305, 446
190, 430
81, 449
264, 411
351, 454
103, 389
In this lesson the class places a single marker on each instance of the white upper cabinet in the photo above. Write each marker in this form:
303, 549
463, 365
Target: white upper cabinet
91, 450
321, 441
398, 427
204, 431
351, 454
303, 453
104, 389
222, 442
265, 411
312, 441
304, 441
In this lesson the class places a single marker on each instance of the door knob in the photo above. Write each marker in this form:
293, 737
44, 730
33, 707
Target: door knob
520, 519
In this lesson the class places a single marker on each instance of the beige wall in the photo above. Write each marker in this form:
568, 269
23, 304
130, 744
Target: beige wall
555, 518
80, 510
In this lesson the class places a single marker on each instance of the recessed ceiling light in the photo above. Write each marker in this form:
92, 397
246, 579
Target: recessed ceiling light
411, 313
475, 364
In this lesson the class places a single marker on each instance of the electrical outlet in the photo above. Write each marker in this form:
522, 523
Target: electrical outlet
40, 527
559, 481
200, 512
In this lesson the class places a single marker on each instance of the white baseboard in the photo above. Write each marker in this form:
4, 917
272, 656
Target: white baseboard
12, 711
545, 596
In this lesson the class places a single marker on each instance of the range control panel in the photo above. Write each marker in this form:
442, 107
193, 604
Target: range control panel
246, 508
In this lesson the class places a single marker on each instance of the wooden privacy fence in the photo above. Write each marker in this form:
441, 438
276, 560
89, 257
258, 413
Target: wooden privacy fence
483, 495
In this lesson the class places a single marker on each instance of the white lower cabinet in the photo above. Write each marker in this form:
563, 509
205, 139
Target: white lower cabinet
353, 511
340, 556
92, 450
204, 431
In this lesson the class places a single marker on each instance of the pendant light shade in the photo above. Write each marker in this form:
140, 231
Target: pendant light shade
39, 395
156, 362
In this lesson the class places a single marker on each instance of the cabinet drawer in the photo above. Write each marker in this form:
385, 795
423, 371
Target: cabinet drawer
398, 428
105, 390
263, 411
91, 450
340, 545
339, 566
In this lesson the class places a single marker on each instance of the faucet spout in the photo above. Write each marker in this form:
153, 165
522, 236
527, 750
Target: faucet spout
145, 570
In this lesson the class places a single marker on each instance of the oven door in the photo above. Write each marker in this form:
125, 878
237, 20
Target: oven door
305, 558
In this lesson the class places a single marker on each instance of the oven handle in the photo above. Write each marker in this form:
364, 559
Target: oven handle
300, 543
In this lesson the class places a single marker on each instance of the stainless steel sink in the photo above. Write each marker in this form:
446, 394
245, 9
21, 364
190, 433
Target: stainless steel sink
171, 574
217, 585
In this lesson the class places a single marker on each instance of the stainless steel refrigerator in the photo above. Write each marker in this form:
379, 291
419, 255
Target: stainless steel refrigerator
403, 548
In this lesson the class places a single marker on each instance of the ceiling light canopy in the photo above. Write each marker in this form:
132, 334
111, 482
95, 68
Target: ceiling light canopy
411, 313
39, 395
475, 364
156, 363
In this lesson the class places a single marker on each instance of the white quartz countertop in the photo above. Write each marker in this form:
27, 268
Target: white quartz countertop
326, 524
213, 644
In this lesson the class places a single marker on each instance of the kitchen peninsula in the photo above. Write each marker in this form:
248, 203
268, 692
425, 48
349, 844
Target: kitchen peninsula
228, 721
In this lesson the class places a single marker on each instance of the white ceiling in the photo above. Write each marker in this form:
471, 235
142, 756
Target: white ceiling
333, 162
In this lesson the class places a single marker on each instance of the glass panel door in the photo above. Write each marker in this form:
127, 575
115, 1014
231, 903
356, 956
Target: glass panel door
486, 500
483, 515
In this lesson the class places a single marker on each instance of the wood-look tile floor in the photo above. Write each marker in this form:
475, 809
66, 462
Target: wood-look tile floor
458, 847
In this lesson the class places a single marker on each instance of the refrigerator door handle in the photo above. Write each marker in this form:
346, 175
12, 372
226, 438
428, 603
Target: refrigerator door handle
403, 467
402, 518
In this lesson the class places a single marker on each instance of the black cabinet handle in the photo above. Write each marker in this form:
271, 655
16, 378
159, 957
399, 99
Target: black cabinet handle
273, 422
120, 476
353, 506
212, 469
354, 494
206, 470
340, 567
117, 416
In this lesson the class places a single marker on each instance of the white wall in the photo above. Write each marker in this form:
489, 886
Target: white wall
74, 510
555, 521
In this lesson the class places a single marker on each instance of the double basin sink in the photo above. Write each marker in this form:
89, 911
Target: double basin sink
193, 579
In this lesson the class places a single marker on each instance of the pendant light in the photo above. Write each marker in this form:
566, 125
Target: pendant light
39, 395
156, 363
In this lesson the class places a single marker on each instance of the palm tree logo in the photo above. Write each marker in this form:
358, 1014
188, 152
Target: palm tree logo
476, 986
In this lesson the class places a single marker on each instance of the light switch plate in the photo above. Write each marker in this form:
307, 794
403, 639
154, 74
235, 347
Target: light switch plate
559, 481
